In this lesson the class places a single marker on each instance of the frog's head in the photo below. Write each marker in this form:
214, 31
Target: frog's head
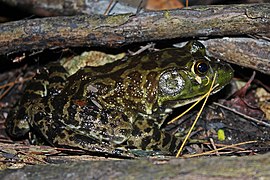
184, 84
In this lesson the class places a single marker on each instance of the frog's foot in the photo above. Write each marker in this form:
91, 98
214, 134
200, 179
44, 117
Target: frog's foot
17, 125
72, 139
143, 153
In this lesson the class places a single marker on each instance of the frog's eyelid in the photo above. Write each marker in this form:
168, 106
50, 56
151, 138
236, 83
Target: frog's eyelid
208, 80
192, 67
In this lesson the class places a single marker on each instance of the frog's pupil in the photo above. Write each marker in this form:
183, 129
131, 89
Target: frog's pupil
202, 68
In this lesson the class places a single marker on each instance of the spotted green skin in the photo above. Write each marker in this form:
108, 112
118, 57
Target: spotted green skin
117, 108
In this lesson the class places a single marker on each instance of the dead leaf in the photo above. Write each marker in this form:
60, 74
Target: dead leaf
163, 4
264, 98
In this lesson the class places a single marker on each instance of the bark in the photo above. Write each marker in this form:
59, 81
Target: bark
68, 7
252, 167
119, 30
246, 52
72, 7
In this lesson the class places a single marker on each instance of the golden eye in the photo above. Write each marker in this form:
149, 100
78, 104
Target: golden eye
201, 67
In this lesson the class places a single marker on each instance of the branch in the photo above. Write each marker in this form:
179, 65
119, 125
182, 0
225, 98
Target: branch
250, 167
246, 52
67, 7
119, 30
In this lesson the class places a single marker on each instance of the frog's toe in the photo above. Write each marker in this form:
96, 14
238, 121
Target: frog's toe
143, 153
17, 127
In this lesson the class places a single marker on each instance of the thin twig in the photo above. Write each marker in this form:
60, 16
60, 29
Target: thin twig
149, 46
214, 146
35, 158
224, 145
109, 8
243, 115
16, 82
219, 149
5, 92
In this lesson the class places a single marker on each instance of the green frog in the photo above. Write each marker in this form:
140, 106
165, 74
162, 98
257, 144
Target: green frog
117, 108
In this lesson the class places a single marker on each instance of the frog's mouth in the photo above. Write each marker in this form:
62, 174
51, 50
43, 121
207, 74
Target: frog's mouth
177, 104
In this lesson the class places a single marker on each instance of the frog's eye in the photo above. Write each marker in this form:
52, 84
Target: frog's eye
201, 67
171, 82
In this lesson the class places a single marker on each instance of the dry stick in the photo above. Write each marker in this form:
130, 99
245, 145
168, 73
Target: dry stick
10, 86
17, 162
213, 151
243, 51
198, 115
227, 153
109, 7
16, 82
32, 156
243, 115
214, 146
119, 30
6, 91
149, 46
224, 145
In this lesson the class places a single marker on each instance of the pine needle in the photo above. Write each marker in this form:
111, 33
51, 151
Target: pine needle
219, 149
198, 115
186, 111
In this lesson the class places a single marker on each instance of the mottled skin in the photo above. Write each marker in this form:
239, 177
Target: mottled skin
120, 105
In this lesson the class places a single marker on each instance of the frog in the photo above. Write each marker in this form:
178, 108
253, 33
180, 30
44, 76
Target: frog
118, 108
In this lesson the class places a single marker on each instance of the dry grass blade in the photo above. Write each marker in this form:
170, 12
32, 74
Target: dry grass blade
219, 149
186, 111
10, 86
198, 115
16, 82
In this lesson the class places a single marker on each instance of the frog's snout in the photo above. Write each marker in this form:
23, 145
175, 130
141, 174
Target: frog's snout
225, 74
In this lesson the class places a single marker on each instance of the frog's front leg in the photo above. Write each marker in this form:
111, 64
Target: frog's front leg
147, 135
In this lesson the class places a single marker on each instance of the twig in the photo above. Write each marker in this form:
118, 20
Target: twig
120, 30
6, 91
243, 115
214, 146
15, 82
219, 149
149, 46
224, 145
29, 155
110, 6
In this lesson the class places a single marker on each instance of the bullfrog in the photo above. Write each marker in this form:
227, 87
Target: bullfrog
117, 108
